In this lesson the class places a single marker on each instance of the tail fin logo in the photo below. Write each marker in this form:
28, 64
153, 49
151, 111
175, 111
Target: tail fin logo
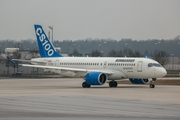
45, 43
46, 48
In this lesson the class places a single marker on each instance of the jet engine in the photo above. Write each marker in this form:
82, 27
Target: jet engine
95, 78
139, 81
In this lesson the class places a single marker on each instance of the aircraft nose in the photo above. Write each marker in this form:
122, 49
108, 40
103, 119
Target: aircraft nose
163, 72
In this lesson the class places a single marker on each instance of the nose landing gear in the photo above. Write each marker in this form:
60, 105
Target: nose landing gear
151, 83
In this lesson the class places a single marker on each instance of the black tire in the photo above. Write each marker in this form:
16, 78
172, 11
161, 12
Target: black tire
111, 84
115, 84
152, 86
85, 85
88, 86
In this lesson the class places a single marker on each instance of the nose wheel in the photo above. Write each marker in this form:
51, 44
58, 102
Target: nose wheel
151, 83
152, 86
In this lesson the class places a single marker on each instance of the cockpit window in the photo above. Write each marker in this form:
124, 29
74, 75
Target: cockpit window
150, 65
157, 65
154, 64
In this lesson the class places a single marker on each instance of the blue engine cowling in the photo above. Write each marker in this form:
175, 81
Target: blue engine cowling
95, 78
138, 80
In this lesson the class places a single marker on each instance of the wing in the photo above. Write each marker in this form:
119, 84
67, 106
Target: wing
75, 72
68, 69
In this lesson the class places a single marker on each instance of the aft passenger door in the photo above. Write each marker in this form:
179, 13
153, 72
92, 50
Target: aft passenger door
139, 66
105, 63
57, 63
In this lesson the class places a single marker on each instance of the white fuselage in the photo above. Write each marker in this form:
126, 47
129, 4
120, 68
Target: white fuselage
120, 67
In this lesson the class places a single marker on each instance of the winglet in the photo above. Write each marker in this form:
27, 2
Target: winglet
12, 61
46, 48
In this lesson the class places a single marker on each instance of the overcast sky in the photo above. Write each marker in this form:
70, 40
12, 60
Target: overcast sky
81, 19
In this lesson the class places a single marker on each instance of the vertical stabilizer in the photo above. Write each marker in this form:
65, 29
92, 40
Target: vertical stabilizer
46, 48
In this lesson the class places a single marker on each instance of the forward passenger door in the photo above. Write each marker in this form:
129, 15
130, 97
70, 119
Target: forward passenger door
139, 66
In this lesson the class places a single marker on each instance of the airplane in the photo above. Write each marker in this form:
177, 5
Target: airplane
94, 70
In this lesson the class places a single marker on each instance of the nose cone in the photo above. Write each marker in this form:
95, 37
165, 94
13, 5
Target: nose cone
163, 72
160, 72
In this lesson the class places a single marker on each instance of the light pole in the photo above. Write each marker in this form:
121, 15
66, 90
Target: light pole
0, 58
51, 27
178, 65
126, 49
172, 61
49, 35
156, 44
126, 45
102, 53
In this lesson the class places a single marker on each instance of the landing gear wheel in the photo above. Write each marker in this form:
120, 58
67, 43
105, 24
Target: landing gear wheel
151, 85
113, 84
85, 85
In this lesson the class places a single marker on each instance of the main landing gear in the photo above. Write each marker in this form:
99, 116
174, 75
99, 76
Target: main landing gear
113, 84
151, 83
85, 85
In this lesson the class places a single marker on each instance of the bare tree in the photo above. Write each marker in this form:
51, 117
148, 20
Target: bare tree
2, 61
7, 64
160, 56
113, 53
75, 53
96, 53
137, 54
19, 45
125, 52
128, 52
34, 53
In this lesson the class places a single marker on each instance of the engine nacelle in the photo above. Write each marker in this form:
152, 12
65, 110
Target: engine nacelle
95, 78
139, 81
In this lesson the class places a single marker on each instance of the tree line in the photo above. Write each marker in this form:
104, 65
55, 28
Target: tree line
171, 46
159, 50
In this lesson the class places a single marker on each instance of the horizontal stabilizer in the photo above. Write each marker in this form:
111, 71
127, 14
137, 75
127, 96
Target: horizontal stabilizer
12, 61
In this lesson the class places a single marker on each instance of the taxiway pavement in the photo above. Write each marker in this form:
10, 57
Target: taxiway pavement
43, 99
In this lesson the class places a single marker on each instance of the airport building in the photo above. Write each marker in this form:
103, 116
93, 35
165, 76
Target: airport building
6, 68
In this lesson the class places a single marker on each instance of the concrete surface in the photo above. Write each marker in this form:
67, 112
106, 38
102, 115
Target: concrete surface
41, 99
